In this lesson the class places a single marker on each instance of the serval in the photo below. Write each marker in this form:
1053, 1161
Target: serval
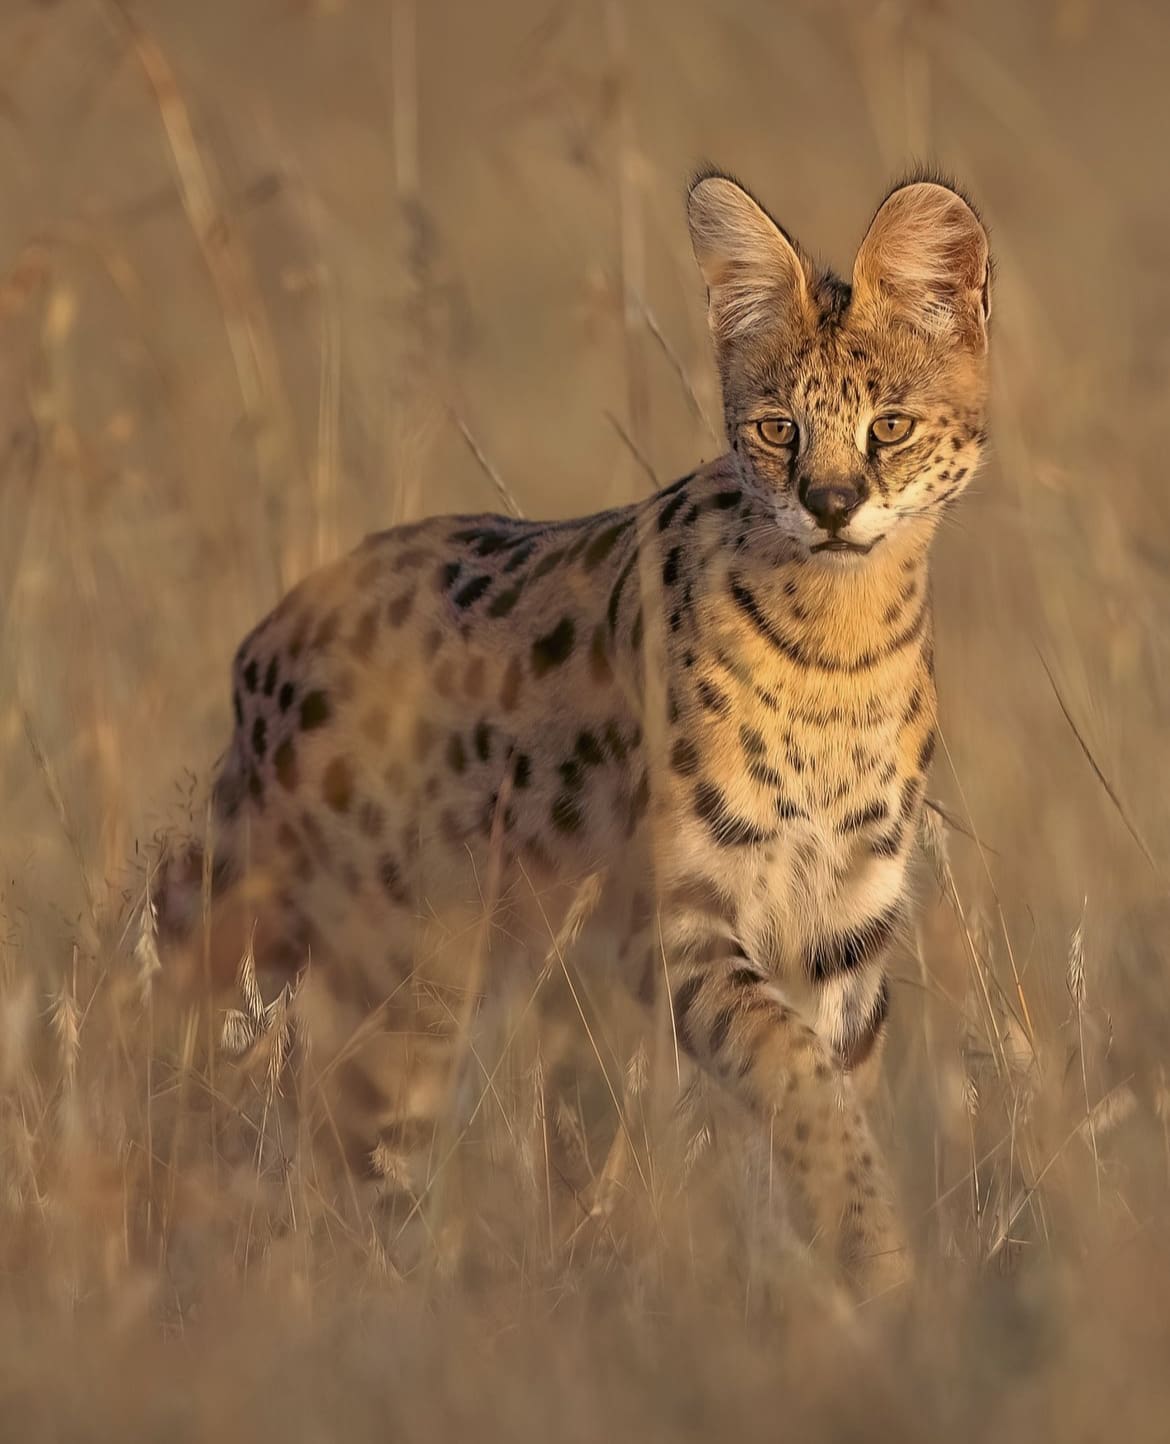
720, 698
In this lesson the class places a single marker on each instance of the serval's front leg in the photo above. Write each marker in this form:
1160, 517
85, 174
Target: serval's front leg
734, 1020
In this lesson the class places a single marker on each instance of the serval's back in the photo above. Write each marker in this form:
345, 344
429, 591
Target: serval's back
720, 698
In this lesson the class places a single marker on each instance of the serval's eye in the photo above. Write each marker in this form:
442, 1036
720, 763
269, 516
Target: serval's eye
777, 431
889, 430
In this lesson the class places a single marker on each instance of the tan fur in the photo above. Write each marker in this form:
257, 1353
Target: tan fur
438, 736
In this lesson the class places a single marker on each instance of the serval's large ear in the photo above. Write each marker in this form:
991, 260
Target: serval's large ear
756, 283
925, 260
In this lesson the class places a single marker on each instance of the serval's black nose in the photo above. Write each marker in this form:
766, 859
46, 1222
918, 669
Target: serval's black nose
831, 503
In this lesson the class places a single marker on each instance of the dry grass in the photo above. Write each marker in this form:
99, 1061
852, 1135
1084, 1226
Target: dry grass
273, 275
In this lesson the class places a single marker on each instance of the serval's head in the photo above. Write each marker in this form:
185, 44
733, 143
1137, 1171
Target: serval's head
855, 409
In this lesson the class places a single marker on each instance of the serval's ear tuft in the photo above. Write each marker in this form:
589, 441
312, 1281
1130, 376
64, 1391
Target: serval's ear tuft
756, 282
926, 259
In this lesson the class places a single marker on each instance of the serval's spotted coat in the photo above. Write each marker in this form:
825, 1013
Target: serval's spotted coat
721, 695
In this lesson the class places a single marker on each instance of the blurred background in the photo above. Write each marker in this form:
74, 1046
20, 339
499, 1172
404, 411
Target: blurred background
276, 273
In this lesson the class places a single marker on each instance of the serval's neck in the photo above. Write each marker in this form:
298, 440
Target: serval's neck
838, 618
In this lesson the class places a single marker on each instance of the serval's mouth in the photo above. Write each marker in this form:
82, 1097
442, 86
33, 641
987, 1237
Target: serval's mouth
839, 544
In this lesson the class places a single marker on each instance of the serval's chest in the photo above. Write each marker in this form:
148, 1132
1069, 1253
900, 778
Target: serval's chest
808, 722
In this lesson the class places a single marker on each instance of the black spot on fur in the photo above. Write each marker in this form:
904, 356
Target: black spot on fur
670, 510
745, 978
889, 844
727, 829
287, 693
505, 601
483, 740
270, 676
725, 500
712, 698
589, 750
602, 544
251, 675
684, 757
314, 711
554, 647
763, 773
337, 784
259, 737
614, 742
456, 753
548, 561
522, 770
850, 951
863, 817
753, 741
566, 813
519, 557
471, 591
390, 876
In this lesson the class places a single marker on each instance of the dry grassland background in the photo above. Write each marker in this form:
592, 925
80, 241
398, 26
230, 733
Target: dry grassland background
274, 273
